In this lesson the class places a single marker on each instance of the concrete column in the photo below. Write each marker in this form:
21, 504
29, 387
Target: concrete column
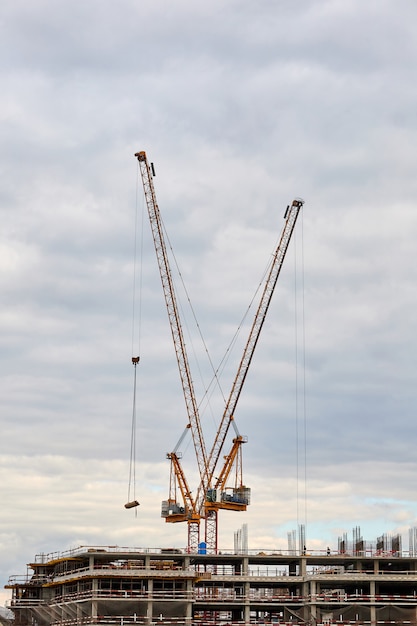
306, 592
149, 605
313, 605
372, 590
246, 614
78, 610
94, 603
189, 609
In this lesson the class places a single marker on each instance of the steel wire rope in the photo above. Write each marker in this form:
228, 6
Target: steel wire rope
183, 320
304, 391
300, 255
131, 492
183, 317
136, 342
297, 439
217, 372
136, 326
234, 339
193, 315
189, 334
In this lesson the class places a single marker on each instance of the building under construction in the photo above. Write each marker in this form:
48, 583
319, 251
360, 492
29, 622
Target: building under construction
201, 585
113, 585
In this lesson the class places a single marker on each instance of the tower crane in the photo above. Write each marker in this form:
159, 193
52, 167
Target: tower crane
212, 493
215, 495
172, 511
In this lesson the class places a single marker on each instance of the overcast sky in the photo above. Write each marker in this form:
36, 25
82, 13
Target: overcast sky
242, 106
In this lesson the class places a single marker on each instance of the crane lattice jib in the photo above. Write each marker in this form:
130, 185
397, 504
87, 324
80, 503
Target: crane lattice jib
173, 314
277, 261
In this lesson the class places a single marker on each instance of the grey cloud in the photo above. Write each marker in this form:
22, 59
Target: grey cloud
241, 107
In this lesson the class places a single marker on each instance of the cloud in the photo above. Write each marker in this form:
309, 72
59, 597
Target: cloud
241, 108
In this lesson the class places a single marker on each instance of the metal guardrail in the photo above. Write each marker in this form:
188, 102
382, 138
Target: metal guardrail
221, 571
121, 620
225, 595
368, 553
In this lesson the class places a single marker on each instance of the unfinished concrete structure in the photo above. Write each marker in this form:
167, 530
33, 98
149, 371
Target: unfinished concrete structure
112, 585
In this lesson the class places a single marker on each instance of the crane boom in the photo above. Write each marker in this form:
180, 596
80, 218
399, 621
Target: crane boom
228, 415
173, 315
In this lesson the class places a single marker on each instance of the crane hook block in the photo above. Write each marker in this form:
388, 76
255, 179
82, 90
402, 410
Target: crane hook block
131, 505
135, 359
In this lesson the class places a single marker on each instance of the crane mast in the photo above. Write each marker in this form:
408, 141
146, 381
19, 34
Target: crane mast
180, 351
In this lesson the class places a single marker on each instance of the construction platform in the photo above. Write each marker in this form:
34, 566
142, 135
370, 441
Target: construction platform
123, 586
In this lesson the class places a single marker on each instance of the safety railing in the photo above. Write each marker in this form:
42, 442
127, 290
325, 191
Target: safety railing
368, 552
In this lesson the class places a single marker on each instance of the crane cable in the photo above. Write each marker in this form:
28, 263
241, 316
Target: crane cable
304, 371
197, 324
217, 371
301, 391
131, 491
137, 280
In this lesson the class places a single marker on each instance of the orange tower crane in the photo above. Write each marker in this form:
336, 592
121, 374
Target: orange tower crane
212, 493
